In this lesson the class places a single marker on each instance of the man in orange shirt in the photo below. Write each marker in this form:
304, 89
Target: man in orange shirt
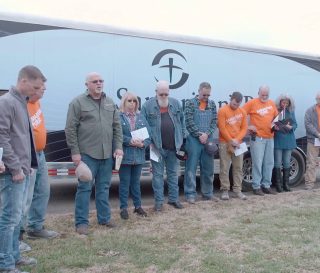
232, 124
38, 191
261, 111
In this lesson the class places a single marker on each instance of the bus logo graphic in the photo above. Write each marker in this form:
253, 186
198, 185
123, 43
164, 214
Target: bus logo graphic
171, 67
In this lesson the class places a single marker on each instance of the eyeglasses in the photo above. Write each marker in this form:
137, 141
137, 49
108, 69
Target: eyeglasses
132, 101
205, 95
163, 95
97, 81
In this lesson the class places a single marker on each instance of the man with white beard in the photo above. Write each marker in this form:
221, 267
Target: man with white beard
165, 118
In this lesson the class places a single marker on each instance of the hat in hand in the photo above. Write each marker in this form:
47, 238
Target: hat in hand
211, 148
83, 172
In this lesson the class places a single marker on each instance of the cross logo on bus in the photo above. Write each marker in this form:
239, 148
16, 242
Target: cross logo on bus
171, 67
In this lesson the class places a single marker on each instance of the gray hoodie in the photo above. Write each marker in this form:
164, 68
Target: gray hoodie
311, 124
16, 137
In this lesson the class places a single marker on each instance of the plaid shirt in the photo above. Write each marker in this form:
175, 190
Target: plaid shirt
192, 128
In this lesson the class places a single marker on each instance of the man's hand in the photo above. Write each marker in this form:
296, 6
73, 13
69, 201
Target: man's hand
252, 128
235, 143
18, 178
203, 138
2, 167
117, 152
76, 158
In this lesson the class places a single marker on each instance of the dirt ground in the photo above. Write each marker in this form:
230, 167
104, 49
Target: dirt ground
63, 193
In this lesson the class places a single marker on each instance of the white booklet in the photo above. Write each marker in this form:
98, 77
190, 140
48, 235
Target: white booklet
141, 133
154, 154
242, 149
1, 153
317, 142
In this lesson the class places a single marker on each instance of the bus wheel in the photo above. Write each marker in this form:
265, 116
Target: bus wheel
298, 168
247, 172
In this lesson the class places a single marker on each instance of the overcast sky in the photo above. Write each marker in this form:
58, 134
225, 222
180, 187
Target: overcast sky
286, 24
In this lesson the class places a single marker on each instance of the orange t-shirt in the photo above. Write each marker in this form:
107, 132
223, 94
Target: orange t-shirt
261, 116
232, 124
39, 129
203, 105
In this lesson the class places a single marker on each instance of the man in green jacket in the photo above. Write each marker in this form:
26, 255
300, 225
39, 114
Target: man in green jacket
94, 135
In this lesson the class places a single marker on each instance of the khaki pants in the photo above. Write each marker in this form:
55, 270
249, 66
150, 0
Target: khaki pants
312, 154
225, 161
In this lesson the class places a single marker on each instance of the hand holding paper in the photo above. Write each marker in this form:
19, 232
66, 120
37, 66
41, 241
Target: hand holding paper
242, 149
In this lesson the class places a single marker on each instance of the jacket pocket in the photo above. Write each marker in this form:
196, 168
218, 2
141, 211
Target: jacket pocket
152, 119
88, 114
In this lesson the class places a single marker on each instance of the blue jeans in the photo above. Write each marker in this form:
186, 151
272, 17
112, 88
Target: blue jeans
130, 180
11, 199
262, 162
38, 194
169, 160
197, 153
282, 156
101, 172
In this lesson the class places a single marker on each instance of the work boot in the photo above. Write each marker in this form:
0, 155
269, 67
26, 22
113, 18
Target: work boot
278, 182
286, 175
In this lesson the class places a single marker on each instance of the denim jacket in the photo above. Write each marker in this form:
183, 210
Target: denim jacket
133, 155
151, 111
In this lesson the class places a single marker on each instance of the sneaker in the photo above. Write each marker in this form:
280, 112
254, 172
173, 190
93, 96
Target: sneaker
308, 187
241, 196
158, 207
23, 247
258, 192
109, 224
82, 229
225, 195
42, 234
210, 198
191, 200
140, 212
124, 214
268, 190
15, 270
176, 204
26, 261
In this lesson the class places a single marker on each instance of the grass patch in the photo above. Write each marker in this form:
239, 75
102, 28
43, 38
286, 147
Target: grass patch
263, 234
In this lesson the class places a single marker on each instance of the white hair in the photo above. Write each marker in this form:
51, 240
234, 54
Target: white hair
162, 84
287, 97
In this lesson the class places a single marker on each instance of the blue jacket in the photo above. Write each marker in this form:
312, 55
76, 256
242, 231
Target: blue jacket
133, 155
286, 141
151, 112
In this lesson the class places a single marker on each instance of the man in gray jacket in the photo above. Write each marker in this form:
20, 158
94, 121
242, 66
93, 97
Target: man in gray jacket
311, 122
19, 158
94, 135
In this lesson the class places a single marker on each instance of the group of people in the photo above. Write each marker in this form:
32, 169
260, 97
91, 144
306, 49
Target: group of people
98, 132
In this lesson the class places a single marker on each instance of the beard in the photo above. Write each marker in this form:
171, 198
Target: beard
98, 90
163, 102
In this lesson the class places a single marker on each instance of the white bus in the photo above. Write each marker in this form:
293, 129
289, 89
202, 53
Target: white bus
130, 60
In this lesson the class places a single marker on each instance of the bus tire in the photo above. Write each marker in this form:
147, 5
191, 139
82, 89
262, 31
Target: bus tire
298, 168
